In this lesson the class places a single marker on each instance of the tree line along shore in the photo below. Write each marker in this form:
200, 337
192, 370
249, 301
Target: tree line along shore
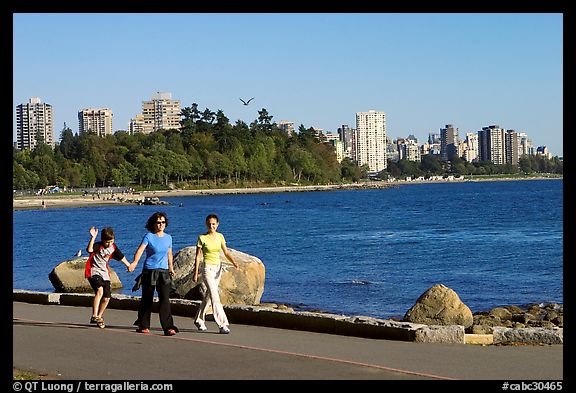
208, 149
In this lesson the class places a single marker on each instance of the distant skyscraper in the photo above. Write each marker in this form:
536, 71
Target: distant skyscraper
346, 138
370, 140
491, 144
470, 151
34, 124
524, 144
162, 112
448, 142
433, 138
511, 147
98, 121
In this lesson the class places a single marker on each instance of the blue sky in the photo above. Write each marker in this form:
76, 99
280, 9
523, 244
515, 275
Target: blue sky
424, 70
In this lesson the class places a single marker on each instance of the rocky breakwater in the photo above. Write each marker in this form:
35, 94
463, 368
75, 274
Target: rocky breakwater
532, 324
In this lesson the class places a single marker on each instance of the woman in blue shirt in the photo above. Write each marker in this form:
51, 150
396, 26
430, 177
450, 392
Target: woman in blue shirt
156, 274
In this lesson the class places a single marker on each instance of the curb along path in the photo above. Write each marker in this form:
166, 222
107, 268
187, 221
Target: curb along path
357, 326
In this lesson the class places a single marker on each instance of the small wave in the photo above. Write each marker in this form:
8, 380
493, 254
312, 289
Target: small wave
361, 282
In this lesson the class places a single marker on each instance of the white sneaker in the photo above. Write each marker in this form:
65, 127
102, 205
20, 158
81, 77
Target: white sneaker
200, 326
224, 330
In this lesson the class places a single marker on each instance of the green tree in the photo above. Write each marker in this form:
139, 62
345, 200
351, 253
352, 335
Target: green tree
190, 115
258, 163
224, 165
197, 166
349, 170
88, 176
150, 170
23, 179
67, 144
174, 143
236, 156
431, 165
301, 161
123, 174
45, 168
263, 123
458, 166
71, 173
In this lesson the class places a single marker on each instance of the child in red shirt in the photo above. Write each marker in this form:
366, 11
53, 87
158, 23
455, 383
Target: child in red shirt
97, 271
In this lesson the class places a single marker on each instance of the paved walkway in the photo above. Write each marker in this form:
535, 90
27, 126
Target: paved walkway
58, 340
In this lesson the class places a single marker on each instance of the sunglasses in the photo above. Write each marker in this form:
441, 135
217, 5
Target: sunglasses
160, 222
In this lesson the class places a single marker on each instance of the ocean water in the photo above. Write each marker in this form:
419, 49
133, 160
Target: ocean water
352, 252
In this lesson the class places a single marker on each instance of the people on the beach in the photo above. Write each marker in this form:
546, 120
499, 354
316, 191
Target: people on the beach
97, 270
156, 274
209, 246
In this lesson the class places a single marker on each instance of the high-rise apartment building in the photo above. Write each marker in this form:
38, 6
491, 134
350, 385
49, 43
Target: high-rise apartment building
98, 121
491, 144
162, 112
525, 145
369, 140
34, 124
511, 147
408, 149
470, 147
136, 125
346, 138
448, 142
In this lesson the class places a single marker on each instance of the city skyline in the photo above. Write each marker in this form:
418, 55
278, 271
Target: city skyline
423, 70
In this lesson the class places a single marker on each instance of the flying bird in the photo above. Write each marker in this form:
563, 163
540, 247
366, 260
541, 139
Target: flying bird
246, 102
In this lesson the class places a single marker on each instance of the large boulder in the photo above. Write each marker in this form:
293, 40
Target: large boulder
440, 305
237, 286
68, 277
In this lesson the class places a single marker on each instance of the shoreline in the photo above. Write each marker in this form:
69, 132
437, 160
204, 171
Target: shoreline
68, 201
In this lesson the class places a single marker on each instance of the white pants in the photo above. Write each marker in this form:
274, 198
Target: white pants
211, 275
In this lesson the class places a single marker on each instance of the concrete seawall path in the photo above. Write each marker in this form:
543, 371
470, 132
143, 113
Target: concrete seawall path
57, 339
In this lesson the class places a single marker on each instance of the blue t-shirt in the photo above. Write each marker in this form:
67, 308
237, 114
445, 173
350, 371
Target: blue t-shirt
157, 250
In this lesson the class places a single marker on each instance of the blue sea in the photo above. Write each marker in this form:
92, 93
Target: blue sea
352, 252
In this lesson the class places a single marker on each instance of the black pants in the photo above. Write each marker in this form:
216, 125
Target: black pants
163, 288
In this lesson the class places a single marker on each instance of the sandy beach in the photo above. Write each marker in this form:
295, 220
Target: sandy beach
65, 201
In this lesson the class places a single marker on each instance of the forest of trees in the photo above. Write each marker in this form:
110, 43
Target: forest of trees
209, 151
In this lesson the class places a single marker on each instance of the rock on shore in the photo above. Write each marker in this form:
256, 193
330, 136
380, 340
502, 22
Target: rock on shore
531, 324
68, 277
237, 286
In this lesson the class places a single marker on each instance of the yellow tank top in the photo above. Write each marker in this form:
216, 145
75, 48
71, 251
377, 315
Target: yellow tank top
211, 247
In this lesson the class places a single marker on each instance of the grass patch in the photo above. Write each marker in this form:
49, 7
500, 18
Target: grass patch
21, 375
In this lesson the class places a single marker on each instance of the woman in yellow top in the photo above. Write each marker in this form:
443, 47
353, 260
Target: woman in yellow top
209, 244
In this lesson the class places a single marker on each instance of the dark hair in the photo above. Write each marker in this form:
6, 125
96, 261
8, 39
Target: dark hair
107, 234
209, 216
151, 223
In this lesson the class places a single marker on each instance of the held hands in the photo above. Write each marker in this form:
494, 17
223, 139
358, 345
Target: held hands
131, 267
